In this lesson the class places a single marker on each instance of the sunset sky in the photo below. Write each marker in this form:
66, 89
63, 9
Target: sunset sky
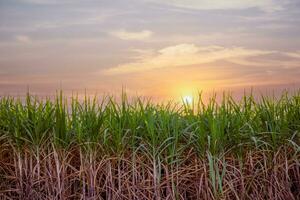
160, 48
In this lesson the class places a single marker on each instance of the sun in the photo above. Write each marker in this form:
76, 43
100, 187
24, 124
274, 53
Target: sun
187, 99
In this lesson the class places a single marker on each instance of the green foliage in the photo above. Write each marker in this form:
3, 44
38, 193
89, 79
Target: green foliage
166, 131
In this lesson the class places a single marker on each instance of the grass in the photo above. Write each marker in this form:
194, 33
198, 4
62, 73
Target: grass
109, 149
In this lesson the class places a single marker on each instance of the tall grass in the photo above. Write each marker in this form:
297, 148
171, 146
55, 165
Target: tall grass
109, 149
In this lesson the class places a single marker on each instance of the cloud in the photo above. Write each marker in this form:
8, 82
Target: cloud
68, 23
128, 35
23, 39
184, 55
268, 5
293, 54
47, 2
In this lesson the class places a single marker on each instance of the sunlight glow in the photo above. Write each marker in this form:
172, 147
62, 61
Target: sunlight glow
188, 99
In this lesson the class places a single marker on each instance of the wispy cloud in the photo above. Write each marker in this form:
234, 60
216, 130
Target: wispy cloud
130, 35
294, 54
23, 39
185, 55
46, 2
268, 5
69, 23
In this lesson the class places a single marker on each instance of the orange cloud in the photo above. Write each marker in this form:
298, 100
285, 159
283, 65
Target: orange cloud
184, 55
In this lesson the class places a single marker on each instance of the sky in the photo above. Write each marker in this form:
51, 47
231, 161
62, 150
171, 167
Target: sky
157, 48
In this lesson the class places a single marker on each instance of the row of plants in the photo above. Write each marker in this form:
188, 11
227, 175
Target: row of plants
108, 148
